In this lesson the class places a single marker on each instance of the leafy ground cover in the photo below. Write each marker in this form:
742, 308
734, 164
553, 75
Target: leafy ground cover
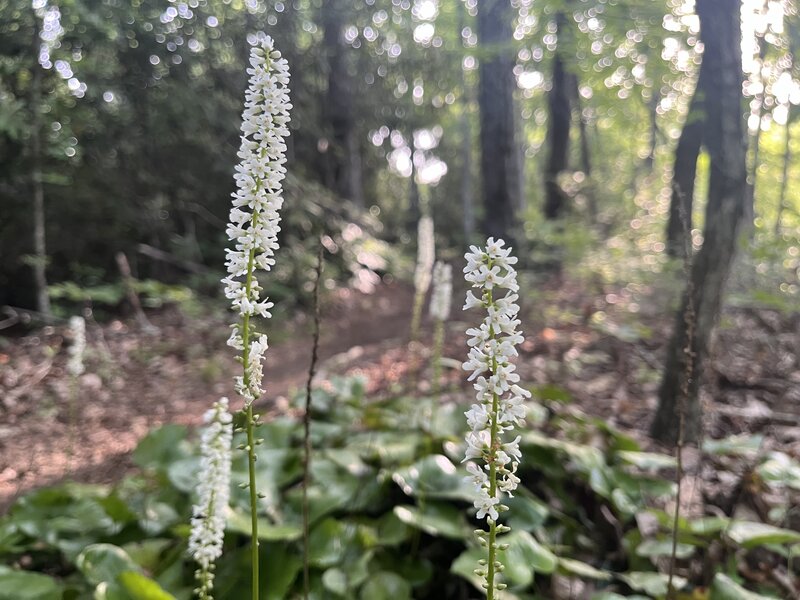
391, 515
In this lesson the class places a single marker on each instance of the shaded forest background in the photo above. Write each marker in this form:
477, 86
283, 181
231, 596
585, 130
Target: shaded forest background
129, 112
640, 157
575, 129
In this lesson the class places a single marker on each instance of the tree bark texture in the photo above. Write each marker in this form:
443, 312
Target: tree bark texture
684, 173
39, 246
585, 147
787, 160
725, 139
496, 102
558, 129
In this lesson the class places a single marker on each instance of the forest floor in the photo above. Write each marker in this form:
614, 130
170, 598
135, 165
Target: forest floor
602, 352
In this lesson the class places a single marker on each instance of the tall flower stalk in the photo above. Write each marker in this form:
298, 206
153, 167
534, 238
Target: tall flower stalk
492, 459
254, 227
426, 254
440, 312
208, 515
75, 368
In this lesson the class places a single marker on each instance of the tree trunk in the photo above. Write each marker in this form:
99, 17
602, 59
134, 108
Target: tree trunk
787, 159
586, 154
725, 140
467, 198
39, 247
415, 209
496, 102
344, 151
684, 172
558, 128
650, 159
750, 203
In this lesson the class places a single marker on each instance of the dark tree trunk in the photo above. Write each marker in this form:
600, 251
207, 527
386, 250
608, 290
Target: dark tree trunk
39, 247
414, 202
496, 102
750, 203
684, 172
787, 159
344, 174
586, 153
725, 140
650, 159
466, 191
558, 128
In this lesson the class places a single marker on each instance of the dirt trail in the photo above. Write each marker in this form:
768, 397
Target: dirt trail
135, 382
606, 368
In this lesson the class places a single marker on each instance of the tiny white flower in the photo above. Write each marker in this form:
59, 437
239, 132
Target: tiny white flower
487, 506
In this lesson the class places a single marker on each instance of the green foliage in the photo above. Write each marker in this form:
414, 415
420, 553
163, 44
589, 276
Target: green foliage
390, 515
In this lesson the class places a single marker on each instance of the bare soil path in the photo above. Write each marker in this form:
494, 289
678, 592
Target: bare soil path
601, 352
135, 381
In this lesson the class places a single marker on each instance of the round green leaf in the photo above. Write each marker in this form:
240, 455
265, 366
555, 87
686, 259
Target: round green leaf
140, 587
654, 584
659, 548
104, 563
385, 585
725, 588
582, 569
435, 476
335, 581
435, 519
25, 585
749, 534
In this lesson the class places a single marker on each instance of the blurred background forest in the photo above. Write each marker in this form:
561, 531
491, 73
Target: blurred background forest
119, 128
641, 156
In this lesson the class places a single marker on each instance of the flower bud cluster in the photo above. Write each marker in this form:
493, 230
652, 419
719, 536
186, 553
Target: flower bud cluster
254, 217
75, 352
499, 408
209, 514
442, 291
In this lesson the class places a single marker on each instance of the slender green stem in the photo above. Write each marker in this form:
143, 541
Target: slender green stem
251, 463
416, 315
438, 343
250, 425
312, 368
493, 446
72, 423
492, 491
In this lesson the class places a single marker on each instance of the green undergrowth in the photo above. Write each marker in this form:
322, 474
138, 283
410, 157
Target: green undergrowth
391, 515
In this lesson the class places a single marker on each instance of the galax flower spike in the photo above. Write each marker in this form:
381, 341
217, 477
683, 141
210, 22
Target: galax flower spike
254, 230
493, 457
210, 512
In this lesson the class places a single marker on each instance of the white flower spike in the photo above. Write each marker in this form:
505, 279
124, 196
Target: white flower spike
426, 254
499, 406
209, 514
442, 291
255, 217
75, 352
254, 228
